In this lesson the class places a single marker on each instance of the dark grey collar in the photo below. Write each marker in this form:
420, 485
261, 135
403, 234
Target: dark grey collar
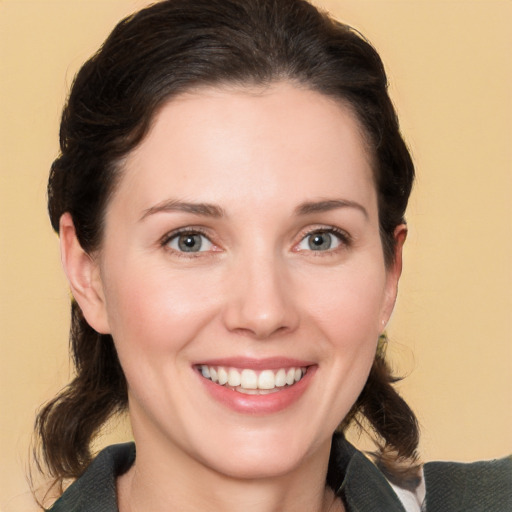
358, 481
360, 484
484, 486
95, 490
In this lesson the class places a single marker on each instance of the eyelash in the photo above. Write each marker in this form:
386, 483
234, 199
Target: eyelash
342, 236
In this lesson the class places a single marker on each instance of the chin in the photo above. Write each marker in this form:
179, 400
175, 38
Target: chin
258, 468
260, 456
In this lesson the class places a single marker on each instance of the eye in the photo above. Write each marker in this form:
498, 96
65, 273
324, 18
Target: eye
322, 240
190, 241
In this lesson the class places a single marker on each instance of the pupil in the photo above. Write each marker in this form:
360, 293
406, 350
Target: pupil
190, 243
320, 241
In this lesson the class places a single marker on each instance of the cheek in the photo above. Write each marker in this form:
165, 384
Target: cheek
155, 318
152, 311
349, 303
347, 309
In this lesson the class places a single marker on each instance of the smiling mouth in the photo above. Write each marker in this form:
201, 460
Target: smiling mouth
253, 382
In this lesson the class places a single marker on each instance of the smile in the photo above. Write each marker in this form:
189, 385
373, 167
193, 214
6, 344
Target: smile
253, 382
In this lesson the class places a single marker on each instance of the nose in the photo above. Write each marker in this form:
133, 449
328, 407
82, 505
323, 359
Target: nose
260, 299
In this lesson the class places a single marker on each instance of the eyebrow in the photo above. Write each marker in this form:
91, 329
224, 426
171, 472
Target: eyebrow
328, 205
211, 210
174, 205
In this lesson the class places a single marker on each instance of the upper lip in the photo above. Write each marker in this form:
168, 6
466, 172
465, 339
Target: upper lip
268, 363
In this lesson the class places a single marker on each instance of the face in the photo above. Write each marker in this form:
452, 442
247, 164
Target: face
242, 278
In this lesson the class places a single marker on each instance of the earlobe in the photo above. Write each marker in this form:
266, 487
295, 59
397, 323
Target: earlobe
83, 276
393, 274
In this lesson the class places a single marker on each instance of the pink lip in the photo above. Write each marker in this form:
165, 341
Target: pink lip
269, 363
258, 404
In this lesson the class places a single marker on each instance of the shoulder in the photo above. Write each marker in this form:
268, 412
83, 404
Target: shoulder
361, 484
95, 490
472, 487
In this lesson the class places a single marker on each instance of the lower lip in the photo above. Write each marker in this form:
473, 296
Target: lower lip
259, 404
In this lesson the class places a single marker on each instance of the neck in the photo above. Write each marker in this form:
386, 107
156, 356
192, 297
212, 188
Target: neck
162, 481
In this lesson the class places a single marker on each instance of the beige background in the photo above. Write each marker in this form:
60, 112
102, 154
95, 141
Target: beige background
449, 63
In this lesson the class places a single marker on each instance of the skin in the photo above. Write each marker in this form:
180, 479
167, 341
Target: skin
257, 290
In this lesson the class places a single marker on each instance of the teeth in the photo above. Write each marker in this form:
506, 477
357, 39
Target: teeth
222, 375
281, 378
234, 378
249, 379
267, 380
250, 382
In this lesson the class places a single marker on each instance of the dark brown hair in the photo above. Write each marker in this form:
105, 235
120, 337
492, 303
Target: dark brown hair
150, 57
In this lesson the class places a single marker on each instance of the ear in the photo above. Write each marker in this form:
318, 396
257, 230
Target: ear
83, 273
393, 274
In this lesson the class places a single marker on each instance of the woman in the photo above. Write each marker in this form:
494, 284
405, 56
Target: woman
230, 199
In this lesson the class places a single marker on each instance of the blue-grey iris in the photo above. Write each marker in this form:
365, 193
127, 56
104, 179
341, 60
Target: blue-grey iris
190, 243
320, 241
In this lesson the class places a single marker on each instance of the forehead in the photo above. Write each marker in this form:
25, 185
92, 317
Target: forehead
219, 143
